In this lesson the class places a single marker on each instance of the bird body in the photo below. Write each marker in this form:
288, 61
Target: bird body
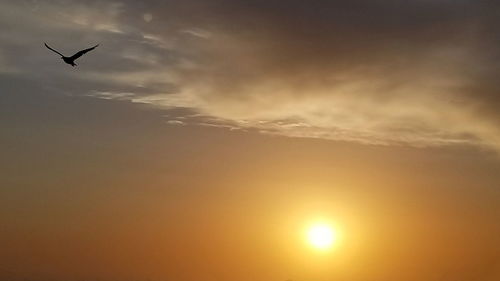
71, 60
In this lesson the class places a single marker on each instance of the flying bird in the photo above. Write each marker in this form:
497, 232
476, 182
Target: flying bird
71, 60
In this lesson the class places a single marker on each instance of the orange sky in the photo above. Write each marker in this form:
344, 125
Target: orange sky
179, 203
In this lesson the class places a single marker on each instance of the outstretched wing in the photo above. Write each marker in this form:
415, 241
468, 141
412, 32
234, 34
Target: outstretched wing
82, 52
53, 50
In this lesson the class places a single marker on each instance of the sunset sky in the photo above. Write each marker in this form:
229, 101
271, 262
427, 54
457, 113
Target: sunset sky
204, 139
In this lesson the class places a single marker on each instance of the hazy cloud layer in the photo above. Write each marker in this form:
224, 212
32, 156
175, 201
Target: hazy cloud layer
382, 72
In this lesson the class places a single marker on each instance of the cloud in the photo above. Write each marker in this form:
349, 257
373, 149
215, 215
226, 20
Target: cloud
176, 122
197, 33
373, 73
378, 72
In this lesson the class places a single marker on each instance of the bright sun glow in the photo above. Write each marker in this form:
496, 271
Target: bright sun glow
321, 236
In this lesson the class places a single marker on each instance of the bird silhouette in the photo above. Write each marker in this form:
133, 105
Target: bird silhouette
71, 60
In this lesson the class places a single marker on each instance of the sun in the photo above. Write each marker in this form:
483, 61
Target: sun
321, 236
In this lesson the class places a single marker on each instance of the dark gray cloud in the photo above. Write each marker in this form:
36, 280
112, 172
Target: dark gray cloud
420, 72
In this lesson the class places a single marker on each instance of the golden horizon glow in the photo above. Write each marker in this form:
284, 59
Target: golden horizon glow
321, 236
